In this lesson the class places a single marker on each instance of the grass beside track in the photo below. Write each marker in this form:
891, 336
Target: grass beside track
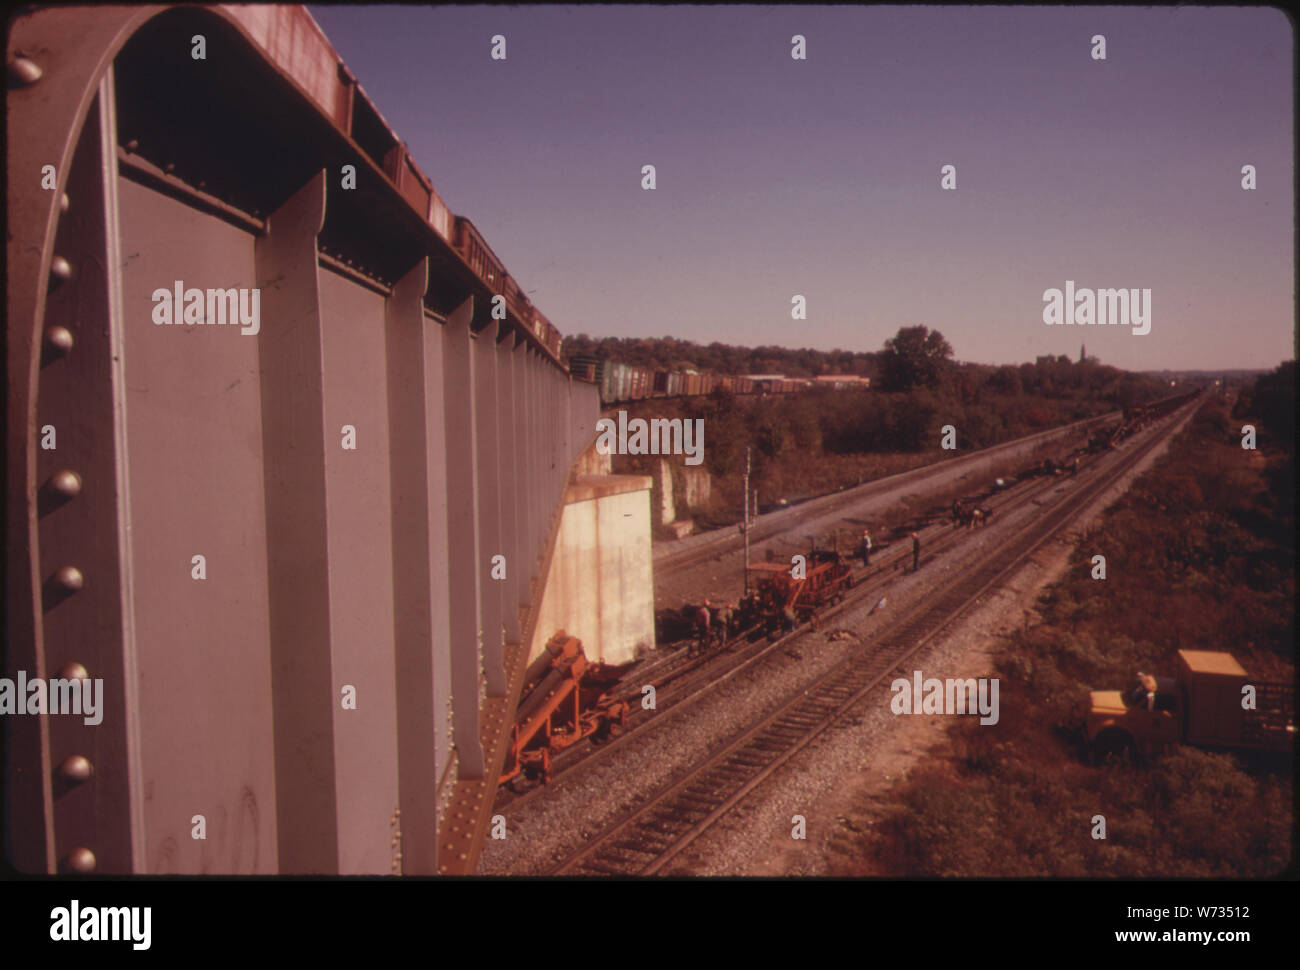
1200, 555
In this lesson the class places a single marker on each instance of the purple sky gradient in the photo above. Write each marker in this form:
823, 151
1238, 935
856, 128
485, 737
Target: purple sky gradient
821, 177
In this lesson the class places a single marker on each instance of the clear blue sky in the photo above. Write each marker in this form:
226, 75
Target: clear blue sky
821, 177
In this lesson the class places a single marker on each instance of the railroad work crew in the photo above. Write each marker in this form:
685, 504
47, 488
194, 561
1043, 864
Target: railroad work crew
702, 617
866, 547
726, 613
916, 552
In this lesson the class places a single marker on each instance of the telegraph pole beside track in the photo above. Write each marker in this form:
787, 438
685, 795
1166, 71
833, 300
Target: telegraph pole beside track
746, 529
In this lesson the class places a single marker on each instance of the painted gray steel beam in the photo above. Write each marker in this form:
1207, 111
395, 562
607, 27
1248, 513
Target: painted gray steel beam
487, 406
509, 478
462, 550
587, 414
293, 443
529, 418
436, 457
358, 492
542, 498
520, 492
553, 440
417, 484
569, 437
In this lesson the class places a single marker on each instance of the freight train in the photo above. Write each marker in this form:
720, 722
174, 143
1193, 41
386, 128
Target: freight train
1139, 416
1136, 417
621, 382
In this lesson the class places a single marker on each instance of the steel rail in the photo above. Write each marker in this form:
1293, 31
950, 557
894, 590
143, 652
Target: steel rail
728, 542
681, 811
702, 673
702, 676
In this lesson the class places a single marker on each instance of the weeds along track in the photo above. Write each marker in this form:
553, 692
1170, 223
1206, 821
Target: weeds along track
681, 682
646, 838
783, 521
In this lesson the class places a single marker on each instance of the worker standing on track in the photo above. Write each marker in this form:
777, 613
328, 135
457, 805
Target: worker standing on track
702, 617
916, 552
866, 547
725, 616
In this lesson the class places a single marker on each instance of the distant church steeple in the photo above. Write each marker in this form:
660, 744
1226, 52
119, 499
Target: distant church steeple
1083, 350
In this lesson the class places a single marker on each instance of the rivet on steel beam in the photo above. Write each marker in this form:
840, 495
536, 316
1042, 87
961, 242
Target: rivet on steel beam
66, 482
23, 71
76, 769
80, 859
59, 339
60, 270
74, 671
169, 167
70, 578
133, 145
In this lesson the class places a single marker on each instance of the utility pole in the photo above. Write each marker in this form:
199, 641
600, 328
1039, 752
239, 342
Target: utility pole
747, 521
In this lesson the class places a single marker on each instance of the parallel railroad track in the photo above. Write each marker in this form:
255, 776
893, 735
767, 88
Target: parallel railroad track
694, 678
648, 837
730, 541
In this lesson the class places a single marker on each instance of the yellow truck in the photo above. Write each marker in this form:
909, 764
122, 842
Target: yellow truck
1206, 704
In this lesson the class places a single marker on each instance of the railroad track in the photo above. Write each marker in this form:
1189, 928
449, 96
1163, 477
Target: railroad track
732, 540
648, 837
694, 679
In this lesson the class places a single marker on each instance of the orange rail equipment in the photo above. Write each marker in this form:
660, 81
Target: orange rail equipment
826, 576
563, 700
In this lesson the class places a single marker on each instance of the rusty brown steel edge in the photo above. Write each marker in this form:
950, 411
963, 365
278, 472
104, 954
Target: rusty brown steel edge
463, 827
120, 23
398, 158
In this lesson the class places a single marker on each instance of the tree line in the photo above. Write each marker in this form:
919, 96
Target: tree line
914, 358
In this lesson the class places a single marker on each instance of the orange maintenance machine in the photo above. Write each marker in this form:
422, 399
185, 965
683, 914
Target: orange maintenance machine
826, 575
563, 700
